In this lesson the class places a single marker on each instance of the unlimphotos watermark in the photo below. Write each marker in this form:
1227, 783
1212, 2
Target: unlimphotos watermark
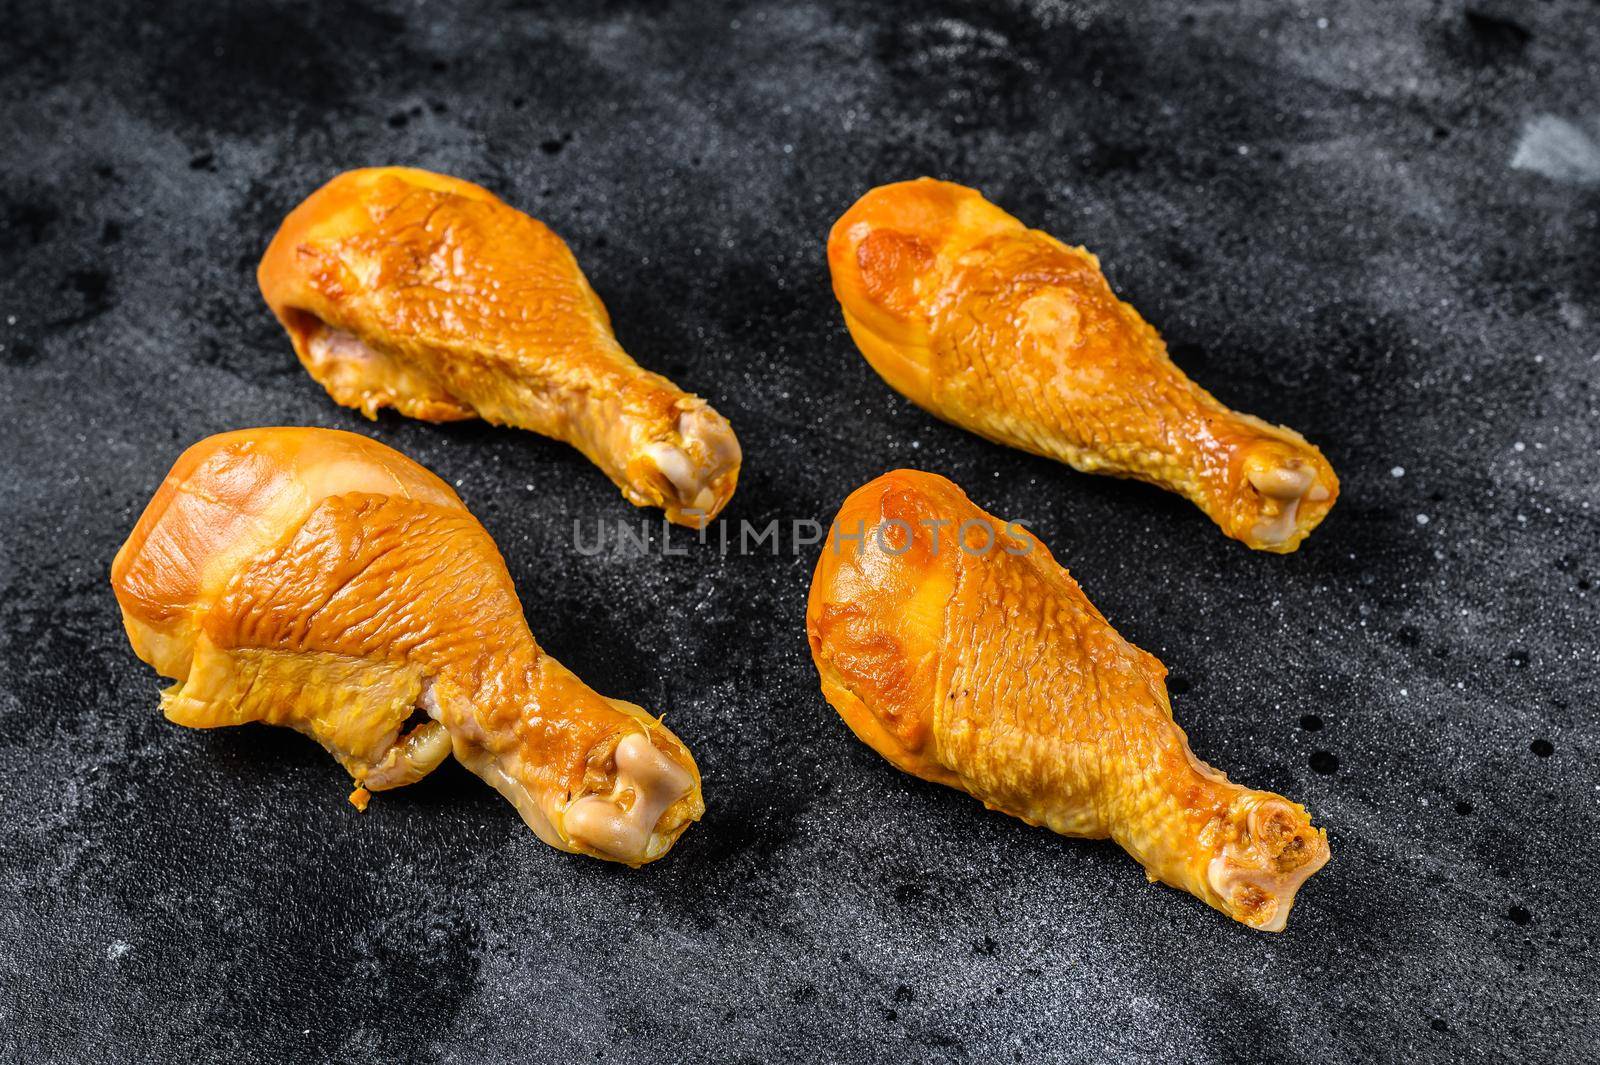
797, 536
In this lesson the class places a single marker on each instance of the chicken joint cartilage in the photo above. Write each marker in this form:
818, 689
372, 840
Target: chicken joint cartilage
648, 782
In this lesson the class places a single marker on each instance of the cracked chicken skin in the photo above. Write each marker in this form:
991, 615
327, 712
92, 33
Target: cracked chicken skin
407, 289
954, 645
1011, 333
319, 580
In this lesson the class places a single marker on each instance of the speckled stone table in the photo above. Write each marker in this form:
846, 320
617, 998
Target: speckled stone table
1379, 223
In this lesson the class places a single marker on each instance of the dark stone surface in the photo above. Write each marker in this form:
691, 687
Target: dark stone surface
1377, 223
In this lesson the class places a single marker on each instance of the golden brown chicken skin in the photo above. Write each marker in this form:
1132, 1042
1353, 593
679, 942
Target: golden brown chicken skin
319, 580
1010, 333
954, 645
407, 289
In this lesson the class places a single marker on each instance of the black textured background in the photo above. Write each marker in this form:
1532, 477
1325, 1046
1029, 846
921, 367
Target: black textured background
1379, 224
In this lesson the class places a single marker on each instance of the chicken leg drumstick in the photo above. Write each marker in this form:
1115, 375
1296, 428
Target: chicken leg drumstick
956, 647
1012, 334
319, 580
407, 289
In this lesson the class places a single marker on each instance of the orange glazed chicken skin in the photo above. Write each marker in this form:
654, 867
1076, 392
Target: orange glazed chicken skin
955, 646
319, 580
407, 289
1010, 333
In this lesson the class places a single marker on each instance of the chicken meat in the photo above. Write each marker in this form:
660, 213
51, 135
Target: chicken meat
1010, 333
319, 580
408, 289
954, 645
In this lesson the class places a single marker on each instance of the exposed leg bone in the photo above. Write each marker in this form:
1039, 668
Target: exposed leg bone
1282, 481
620, 824
422, 750
703, 455
1265, 861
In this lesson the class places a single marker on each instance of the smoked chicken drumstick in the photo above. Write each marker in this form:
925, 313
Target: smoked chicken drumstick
407, 289
319, 580
1010, 333
956, 647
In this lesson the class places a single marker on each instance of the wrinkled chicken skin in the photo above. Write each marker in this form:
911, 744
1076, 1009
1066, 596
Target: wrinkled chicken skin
406, 289
1010, 333
990, 671
319, 580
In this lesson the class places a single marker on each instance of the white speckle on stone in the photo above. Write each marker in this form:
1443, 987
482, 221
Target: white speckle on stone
1519, 446
1559, 150
1422, 519
117, 949
1398, 471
